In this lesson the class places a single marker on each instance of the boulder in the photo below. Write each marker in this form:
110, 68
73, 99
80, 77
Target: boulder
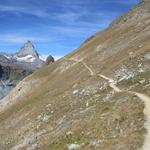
49, 60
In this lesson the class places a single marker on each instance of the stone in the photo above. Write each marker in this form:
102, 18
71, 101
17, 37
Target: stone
49, 60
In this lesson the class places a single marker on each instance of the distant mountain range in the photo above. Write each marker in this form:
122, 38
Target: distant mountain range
14, 67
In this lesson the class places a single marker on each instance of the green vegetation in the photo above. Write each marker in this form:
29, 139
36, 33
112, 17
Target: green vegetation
62, 142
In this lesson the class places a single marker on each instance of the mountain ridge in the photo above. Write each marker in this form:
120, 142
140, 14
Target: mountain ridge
28, 49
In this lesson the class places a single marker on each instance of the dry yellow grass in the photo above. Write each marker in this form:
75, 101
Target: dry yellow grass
66, 105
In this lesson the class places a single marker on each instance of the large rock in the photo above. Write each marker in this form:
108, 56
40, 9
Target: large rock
49, 60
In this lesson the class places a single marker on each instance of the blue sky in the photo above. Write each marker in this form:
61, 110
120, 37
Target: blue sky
55, 26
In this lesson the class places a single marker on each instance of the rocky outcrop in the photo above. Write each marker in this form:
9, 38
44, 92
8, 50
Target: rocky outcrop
49, 60
9, 78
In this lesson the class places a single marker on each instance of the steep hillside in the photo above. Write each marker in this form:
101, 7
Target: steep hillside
97, 97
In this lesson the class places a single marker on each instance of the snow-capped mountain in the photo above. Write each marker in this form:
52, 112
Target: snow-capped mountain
26, 54
14, 67
28, 49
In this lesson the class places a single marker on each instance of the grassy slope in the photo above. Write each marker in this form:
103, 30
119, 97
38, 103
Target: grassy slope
110, 123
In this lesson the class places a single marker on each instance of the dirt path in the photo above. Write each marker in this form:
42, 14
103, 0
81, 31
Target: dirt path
112, 83
143, 97
146, 100
84, 64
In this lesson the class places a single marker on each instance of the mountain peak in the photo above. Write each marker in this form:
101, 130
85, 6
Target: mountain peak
28, 49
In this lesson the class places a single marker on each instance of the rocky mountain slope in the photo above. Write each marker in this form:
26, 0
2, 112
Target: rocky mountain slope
15, 67
97, 97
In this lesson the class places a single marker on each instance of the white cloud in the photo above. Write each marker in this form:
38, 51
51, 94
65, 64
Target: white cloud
56, 29
125, 2
29, 11
57, 57
18, 38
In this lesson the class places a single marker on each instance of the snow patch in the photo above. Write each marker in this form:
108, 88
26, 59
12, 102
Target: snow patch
28, 58
8, 57
43, 57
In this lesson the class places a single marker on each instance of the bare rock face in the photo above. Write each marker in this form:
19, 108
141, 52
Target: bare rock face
10, 75
49, 60
28, 49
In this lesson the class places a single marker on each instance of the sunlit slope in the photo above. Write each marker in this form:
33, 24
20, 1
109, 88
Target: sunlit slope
64, 105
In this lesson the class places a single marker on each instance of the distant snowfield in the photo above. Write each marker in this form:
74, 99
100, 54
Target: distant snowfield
57, 57
8, 57
28, 58
43, 57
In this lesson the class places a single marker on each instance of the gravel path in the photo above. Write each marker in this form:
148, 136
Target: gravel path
143, 97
